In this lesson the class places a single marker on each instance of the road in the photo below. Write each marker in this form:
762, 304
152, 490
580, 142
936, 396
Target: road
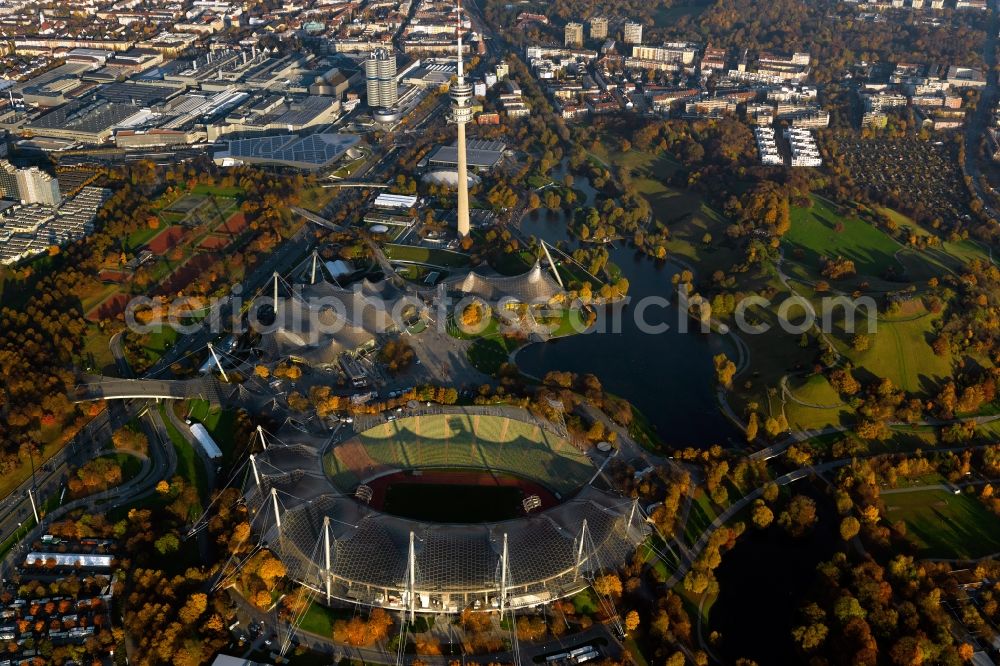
379, 653
50, 475
112, 388
981, 117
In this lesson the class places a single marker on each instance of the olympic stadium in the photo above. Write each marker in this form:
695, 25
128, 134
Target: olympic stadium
442, 510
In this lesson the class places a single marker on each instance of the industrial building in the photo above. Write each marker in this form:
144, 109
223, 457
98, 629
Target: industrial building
275, 112
309, 153
90, 120
485, 155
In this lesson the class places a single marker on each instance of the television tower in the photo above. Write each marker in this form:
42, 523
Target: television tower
461, 113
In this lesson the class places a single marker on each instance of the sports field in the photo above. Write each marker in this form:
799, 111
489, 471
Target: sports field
456, 496
453, 503
942, 524
460, 441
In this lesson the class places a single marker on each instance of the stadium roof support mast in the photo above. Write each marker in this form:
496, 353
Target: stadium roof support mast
582, 539
504, 566
315, 257
552, 264
461, 114
253, 465
218, 364
277, 513
411, 583
326, 553
276, 277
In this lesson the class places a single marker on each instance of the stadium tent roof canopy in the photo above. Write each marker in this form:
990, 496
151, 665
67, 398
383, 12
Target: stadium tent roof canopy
534, 286
316, 151
455, 564
324, 320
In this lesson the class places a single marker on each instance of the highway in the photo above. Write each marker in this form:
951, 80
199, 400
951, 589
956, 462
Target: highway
92, 441
979, 120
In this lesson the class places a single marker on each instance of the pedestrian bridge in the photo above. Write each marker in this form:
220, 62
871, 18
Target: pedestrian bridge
114, 388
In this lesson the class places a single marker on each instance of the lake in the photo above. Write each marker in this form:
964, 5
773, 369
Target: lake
669, 376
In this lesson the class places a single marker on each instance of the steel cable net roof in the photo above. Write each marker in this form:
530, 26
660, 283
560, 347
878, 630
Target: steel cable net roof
535, 286
323, 320
550, 553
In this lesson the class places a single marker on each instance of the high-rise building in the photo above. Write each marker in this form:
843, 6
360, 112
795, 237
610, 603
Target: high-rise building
461, 114
8, 181
574, 34
380, 76
633, 32
599, 27
503, 70
36, 186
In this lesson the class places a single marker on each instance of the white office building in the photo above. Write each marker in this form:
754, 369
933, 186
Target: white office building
380, 76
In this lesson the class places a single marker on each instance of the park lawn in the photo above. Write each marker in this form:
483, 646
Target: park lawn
800, 417
319, 619
52, 439
514, 263
900, 350
189, 465
700, 517
488, 354
944, 525
813, 237
814, 389
347, 170
96, 347
773, 354
571, 322
825, 408
316, 198
129, 464
95, 294
141, 236
953, 254
220, 424
585, 602
426, 255
683, 212
157, 342
637, 657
